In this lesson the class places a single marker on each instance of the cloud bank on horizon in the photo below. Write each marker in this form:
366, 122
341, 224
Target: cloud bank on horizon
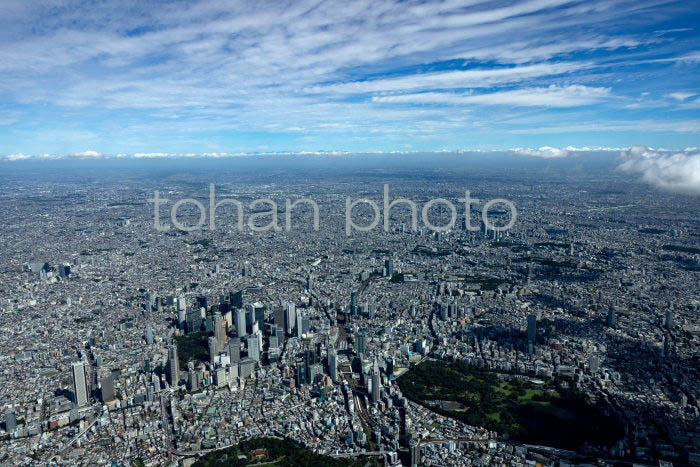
677, 171
175, 77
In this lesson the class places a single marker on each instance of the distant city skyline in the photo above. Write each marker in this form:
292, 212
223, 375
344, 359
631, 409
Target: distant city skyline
129, 78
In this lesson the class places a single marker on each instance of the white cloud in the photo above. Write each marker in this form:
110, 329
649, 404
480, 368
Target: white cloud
671, 171
545, 152
681, 96
152, 155
88, 155
552, 96
18, 157
479, 78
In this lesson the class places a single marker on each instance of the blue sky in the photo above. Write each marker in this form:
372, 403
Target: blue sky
133, 77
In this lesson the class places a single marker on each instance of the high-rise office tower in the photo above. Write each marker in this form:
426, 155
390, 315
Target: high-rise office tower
594, 364
389, 265
240, 323
313, 371
300, 374
290, 318
254, 347
194, 320
192, 380
213, 346
360, 344
149, 335
107, 388
414, 452
234, 350
333, 364
173, 366
219, 330
237, 299
668, 321
403, 421
353, 302
278, 317
80, 389
376, 382
249, 316
181, 318
259, 315
532, 329
299, 325
10, 421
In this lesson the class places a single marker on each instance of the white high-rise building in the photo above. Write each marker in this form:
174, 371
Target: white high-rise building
299, 325
173, 366
376, 382
254, 346
240, 323
219, 330
80, 384
290, 318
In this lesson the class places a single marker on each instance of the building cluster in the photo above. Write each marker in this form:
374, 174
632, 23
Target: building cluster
121, 342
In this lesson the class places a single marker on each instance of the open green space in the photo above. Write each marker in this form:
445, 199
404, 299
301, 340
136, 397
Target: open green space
279, 452
549, 414
192, 347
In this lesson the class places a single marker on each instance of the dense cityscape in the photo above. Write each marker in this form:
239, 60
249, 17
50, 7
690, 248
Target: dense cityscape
124, 344
367, 233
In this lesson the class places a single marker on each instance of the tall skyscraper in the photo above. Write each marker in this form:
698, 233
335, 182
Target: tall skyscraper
254, 346
299, 325
192, 380
237, 299
107, 388
234, 350
259, 313
219, 329
290, 318
181, 317
376, 382
278, 317
593, 364
240, 323
10, 421
389, 265
333, 364
80, 389
173, 366
668, 321
213, 346
149, 334
414, 452
360, 344
194, 320
532, 329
